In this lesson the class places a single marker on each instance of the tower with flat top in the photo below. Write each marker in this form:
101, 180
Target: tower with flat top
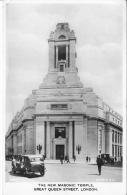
62, 51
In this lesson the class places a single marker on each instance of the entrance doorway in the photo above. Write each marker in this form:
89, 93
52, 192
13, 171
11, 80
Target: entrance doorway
59, 151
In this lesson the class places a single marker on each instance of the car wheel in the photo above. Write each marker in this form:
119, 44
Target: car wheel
42, 172
13, 171
26, 172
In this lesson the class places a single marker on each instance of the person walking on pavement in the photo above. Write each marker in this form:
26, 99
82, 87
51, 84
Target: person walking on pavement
74, 157
99, 163
61, 159
68, 161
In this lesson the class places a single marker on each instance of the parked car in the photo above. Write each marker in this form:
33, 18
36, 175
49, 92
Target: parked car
107, 158
29, 164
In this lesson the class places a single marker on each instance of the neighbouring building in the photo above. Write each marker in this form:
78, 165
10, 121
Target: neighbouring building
62, 117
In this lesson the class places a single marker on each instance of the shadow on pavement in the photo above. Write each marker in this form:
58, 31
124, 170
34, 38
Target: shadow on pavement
93, 174
22, 175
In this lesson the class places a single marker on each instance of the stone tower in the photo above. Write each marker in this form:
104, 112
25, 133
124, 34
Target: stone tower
62, 57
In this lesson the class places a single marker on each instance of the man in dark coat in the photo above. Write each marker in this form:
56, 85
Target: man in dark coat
61, 158
99, 163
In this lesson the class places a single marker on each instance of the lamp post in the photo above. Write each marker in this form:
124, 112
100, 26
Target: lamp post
39, 148
78, 148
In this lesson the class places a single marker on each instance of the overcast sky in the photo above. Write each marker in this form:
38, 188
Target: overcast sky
99, 31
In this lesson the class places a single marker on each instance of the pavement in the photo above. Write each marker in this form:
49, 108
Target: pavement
67, 172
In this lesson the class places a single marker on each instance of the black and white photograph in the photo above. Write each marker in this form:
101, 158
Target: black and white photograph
65, 97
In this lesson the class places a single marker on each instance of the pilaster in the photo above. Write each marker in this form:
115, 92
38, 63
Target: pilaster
48, 141
70, 140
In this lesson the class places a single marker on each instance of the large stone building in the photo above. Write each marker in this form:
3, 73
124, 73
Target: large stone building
62, 117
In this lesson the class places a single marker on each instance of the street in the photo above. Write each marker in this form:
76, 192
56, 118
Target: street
73, 172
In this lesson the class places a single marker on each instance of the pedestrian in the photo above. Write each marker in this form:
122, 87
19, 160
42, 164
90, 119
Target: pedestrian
74, 157
99, 163
13, 163
87, 158
68, 161
61, 159
115, 159
65, 158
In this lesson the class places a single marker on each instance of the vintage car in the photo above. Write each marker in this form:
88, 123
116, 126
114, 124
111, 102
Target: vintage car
107, 158
29, 164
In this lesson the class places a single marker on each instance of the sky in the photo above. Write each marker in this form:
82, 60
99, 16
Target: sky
99, 31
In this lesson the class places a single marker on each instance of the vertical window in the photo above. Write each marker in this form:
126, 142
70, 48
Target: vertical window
68, 56
115, 137
115, 150
60, 132
112, 150
62, 52
112, 136
118, 151
55, 57
61, 68
120, 138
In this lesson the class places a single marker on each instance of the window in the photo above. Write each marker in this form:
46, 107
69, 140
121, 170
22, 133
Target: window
115, 150
61, 68
118, 151
115, 137
59, 106
112, 136
60, 132
62, 37
62, 52
112, 150
118, 137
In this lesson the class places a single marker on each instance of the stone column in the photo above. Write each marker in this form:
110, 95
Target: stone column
70, 140
48, 142
103, 139
108, 141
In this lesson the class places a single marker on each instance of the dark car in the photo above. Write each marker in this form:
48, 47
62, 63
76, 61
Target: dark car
107, 158
29, 164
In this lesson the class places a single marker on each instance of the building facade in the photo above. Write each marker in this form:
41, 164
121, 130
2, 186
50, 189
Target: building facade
62, 117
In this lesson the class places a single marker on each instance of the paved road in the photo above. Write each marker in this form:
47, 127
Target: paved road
78, 172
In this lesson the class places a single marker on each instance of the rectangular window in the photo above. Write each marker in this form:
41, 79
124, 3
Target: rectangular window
115, 137
61, 68
68, 56
60, 132
118, 138
112, 150
112, 136
118, 151
62, 52
55, 57
115, 150
59, 106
